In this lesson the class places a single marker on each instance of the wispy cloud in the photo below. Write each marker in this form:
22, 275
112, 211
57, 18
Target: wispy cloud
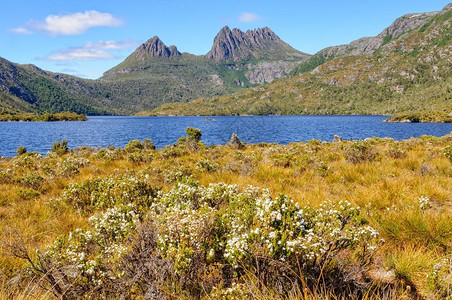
69, 24
91, 51
113, 45
79, 54
21, 30
248, 17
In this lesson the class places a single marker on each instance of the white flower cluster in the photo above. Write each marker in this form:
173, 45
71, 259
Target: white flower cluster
237, 291
108, 192
219, 223
440, 279
27, 160
69, 166
90, 250
234, 225
424, 203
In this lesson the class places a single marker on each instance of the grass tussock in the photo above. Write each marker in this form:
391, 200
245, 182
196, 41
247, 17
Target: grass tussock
345, 220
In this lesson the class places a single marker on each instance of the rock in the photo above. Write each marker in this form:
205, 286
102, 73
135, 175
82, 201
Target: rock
155, 48
337, 139
235, 143
266, 72
236, 45
215, 79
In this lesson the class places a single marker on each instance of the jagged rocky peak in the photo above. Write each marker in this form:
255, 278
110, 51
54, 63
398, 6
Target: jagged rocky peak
238, 45
155, 48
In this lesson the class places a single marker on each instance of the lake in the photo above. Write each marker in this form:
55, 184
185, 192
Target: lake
119, 130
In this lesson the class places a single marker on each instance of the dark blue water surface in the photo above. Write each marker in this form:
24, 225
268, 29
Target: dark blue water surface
118, 131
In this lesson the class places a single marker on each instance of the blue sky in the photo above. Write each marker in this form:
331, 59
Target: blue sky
87, 37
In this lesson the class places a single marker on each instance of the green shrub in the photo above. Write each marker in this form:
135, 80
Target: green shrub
193, 133
60, 148
133, 146
32, 179
21, 150
102, 193
448, 152
27, 194
206, 166
148, 144
360, 151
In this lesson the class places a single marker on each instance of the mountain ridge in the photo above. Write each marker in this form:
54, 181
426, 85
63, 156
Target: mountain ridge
156, 74
369, 45
408, 73
236, 45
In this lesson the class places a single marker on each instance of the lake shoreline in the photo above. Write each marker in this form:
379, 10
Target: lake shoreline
117, 131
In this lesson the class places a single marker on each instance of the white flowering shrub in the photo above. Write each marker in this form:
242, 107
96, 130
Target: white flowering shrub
107, 192
440, 279
227, 225
27, 160
6, 176
206, 165
69, 166
89, 259
206, 240
237, 291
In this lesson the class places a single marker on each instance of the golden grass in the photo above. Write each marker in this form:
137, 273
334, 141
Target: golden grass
387, 187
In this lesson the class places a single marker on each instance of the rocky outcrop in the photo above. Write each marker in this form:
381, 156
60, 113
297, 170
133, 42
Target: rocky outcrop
235, 143
236, 45
155, 48
266, 72
395, 31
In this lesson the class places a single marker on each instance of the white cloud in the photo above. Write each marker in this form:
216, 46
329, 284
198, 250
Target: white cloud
70, 24
248, 17
78, 54
113, 45
21, 30
91, 51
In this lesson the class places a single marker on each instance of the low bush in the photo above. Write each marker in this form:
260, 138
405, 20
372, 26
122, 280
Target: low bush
60, 148
205, 238
360, 151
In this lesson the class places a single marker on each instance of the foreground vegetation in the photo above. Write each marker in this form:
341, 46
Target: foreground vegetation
354, 219
47, 117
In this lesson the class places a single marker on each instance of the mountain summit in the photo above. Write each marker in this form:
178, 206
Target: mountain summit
155, 48
262, 43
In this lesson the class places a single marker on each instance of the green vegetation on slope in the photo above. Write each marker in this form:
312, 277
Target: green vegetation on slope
11, 105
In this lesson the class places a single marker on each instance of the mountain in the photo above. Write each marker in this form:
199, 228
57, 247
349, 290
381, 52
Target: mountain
405, 68
262, 43
369, 45
153, 74
27, 88
155, 48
